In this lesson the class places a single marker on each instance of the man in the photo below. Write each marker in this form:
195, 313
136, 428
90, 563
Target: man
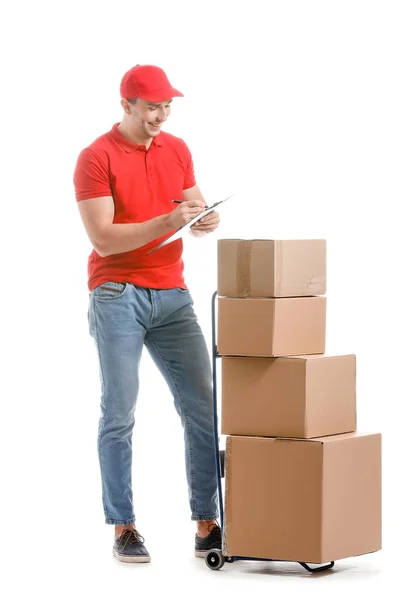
125, 182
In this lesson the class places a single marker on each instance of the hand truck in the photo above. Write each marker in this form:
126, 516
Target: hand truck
215, 558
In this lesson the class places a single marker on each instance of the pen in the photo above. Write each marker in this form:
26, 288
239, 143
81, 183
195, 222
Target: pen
181, 201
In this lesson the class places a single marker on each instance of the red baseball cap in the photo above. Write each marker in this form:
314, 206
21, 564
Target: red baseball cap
147, 82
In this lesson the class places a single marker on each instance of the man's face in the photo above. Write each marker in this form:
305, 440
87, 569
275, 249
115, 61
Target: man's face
148, 117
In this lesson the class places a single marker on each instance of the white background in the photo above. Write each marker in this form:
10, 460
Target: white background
308, 111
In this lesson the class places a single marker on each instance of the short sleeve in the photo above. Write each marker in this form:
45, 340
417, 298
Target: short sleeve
189, 179
91, 178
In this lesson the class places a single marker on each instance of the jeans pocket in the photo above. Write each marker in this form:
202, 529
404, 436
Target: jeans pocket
110, 290
183, 290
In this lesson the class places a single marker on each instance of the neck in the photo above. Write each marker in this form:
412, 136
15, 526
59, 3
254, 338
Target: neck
133, 135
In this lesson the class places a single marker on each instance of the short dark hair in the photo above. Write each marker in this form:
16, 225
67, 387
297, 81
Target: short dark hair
132, 100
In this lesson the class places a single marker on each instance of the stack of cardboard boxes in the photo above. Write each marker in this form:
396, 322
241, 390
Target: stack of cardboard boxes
301, 483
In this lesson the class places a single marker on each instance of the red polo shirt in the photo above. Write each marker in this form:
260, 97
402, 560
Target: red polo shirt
143, 184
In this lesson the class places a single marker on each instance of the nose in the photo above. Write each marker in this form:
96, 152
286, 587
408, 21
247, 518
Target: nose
162, 115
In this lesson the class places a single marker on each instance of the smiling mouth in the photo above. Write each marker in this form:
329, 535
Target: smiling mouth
156, 125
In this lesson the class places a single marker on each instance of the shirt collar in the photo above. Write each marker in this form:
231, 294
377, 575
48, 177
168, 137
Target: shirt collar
130, 146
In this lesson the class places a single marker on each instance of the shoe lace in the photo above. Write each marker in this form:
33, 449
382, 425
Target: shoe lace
214, 528
130, 536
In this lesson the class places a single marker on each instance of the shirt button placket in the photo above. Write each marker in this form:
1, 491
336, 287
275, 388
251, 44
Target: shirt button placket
149, 167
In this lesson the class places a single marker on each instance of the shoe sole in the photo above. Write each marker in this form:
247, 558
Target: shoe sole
203, 553
131, 559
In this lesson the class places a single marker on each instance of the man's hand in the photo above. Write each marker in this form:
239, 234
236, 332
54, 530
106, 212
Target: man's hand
185, 212
207, 224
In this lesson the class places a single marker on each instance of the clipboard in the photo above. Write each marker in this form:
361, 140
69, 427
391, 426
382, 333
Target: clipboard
185, 228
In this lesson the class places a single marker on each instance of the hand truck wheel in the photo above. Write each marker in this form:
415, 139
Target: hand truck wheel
215, 559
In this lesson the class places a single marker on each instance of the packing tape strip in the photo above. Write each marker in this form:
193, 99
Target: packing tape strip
243, 269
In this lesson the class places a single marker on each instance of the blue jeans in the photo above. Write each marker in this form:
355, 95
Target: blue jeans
122, 318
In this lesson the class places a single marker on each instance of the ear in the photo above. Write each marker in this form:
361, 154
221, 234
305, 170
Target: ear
126, 106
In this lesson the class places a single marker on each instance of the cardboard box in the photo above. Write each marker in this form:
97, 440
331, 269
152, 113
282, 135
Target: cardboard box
298, 396
271, 326
312, 501
271, 268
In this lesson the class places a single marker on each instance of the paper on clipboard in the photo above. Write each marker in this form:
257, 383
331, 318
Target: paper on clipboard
185, 228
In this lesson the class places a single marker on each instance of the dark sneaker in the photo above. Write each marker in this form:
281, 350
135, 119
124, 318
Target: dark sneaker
129, 547
212, 540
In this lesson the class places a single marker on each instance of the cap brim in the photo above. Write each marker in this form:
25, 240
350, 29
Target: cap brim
162, 95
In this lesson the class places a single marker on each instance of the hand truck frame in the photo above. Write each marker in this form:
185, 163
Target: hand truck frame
215, 558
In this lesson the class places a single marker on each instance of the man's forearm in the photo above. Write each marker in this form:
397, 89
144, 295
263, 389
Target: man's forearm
123, 237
